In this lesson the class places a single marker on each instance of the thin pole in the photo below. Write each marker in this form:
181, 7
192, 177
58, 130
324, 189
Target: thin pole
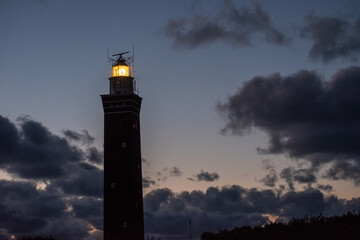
190, 228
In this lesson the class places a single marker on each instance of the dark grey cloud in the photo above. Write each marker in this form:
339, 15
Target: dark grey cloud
165, 173
155, 198
302, 175
205, 176
308, 202
162, 176
147, 182
33, 152
345, 169
303, 115
69, 203
14, 217
4, 234
168, 213
82, 179
326, 187
94, 155
271, 177
332, 37
84, 137
234, 25
89, 209
26, 210
145, 162
175, 172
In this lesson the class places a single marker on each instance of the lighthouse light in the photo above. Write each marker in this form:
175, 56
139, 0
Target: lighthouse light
121, 71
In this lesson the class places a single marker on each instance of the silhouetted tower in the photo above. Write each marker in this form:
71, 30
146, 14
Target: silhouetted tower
123, 200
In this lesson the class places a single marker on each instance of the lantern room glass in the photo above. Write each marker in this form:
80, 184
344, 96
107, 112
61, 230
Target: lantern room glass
121, 71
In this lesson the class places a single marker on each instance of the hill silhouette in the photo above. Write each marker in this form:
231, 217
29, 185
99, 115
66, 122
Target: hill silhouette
346, 227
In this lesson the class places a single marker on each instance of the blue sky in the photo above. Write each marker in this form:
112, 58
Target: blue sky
53, 67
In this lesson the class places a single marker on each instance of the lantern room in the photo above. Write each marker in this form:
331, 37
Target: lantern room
121, 77
121, 67
121, 71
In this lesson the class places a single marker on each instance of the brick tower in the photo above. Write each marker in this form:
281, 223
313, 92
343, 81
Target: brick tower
123, 200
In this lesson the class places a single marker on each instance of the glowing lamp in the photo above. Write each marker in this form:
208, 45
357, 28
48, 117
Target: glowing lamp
121, 71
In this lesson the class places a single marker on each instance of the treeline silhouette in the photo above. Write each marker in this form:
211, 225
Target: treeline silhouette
35, 238
346, 227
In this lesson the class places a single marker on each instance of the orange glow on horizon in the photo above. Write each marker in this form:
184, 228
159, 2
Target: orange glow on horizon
272, 218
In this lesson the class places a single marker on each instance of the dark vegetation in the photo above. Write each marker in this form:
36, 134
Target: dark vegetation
346, 227
36, 238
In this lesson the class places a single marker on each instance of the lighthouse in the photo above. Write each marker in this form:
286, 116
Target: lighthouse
123, 199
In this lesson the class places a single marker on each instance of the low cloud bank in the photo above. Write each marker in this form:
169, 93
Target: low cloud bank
305, 118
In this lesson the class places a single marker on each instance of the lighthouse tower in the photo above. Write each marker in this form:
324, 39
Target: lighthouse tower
123, 200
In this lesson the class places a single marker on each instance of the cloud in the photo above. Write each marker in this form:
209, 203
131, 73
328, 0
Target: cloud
271, 177
304, 116
205, 176
165, 173
89, 209
147, 182
82, 180
70, 204
83, 137
26, 210
332, 37
176, 172
33, 152
160, 176
167, 213
233, 25
94, 155
18, 218
345, 169
57, 190
145, 162
155, 198
308, 202
303, 175
327, 188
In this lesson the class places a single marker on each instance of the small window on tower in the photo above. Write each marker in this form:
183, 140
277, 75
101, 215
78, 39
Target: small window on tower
124, 225
113, 185
123, 144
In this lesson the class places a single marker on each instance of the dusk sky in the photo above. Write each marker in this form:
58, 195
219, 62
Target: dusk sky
250, 112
